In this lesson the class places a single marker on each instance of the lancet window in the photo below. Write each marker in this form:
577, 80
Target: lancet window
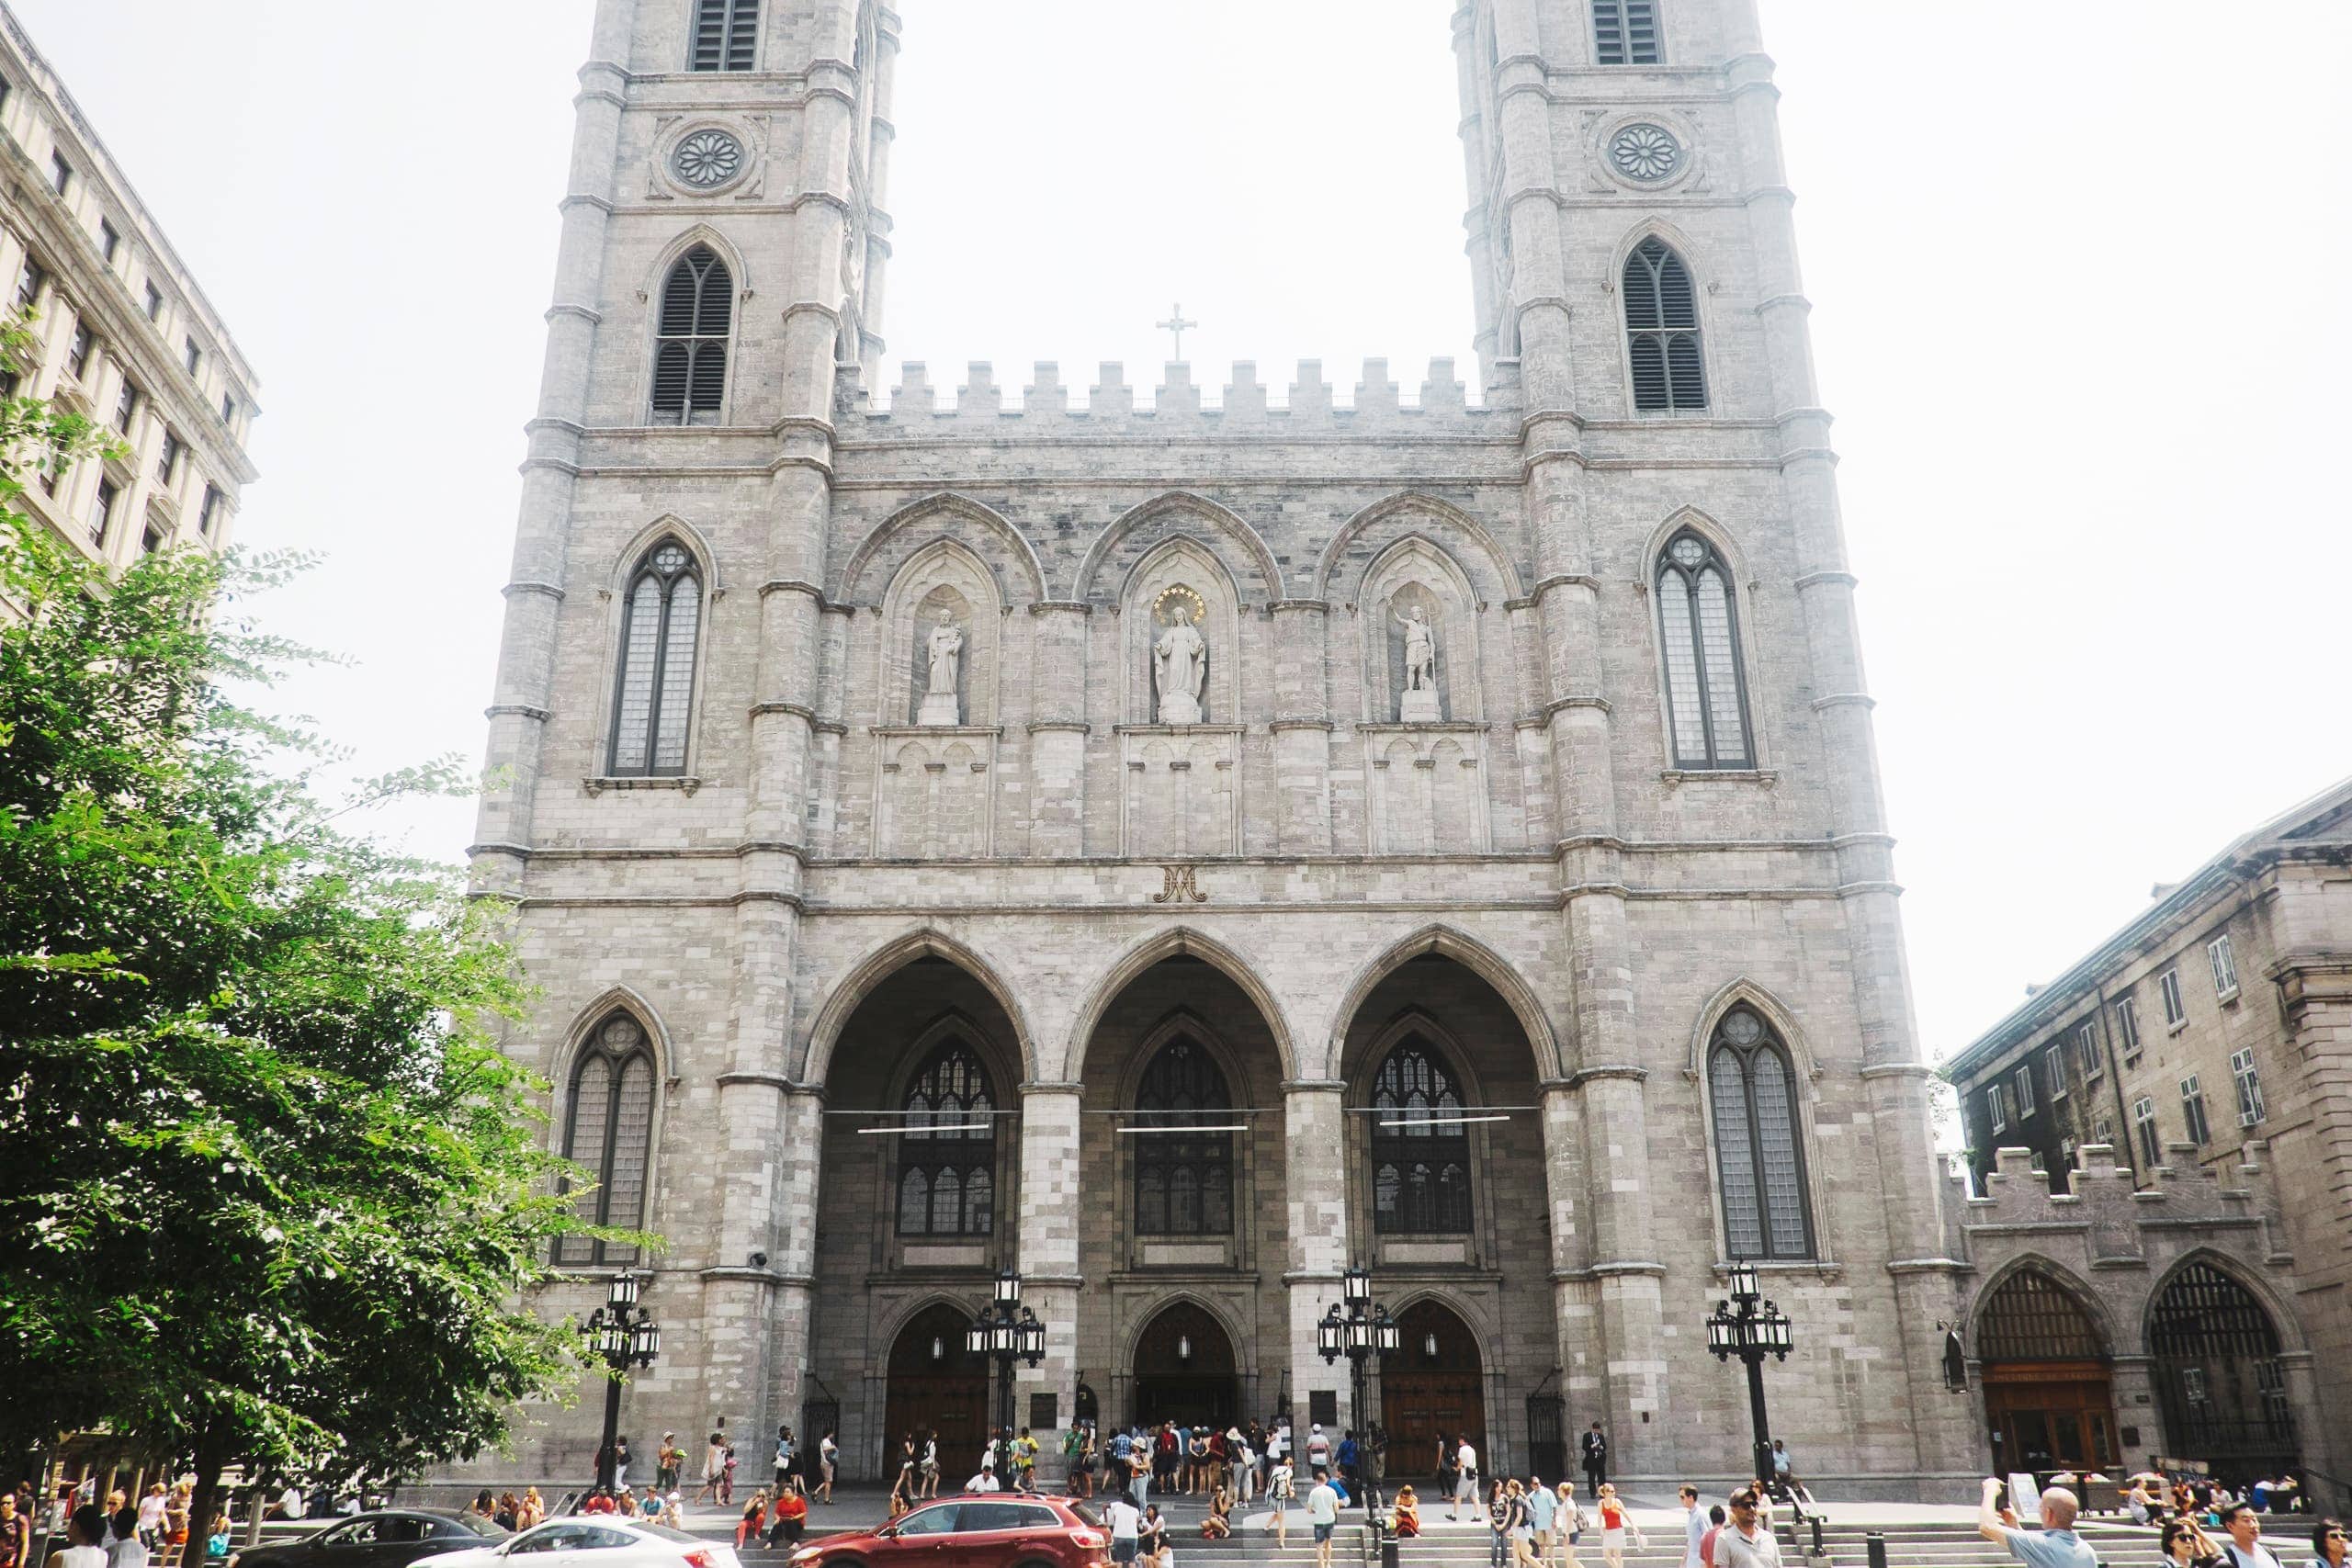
608, 1128
660, 623
1759, 1158
948, 1147
1662, 329
1420, 1150
1706, 695
1184, 1178
690, 361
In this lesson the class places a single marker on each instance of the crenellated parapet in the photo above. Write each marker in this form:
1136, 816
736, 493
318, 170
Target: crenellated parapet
1308, 405
2108, 1222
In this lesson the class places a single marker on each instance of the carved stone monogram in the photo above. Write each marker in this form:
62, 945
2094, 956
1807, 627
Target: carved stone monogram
943, 658
1179, 888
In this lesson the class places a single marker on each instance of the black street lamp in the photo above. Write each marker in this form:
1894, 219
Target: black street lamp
622, 1335
1756, 1330
1004, 1331
1366, 1331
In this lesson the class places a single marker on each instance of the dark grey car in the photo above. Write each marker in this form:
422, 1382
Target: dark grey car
386, 1537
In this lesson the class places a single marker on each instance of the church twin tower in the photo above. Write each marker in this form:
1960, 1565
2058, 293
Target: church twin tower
1182, 852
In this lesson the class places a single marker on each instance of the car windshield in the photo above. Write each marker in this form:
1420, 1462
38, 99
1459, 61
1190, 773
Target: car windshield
483, 1526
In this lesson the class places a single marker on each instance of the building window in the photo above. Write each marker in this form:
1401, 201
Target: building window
2225, 966
1758, 1156
690, 362
1184, 1178
2086, 1047
2192, 1111
60, 173
1706, 687
154, 302
948, 1147
2168, 990
727, 35
109, 242
2127, 1027
191, 357
2249, 1086
1625, 32
228, 410
207, 510
2053, 1066
2023, 1080
1662, 329
167, 459
2103, 1131
29, 282
1420, 1150
102, 511
2143, 1121
2065, 1153
78, 350
152, 539
609, 1129
661, 617
126, 405
1996, 1107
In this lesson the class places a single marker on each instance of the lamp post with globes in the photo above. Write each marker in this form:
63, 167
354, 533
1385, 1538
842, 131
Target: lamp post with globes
1005, 1331
1366, 1331
622, 1335
1753, 1330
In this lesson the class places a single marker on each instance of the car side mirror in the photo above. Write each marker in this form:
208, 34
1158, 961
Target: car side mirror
887, 1532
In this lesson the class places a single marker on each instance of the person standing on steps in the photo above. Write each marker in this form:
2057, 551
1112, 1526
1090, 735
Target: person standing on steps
1542, 1508
2055, 1545
1323, 1513
829, 1458
1465, 1476
1127, 1525
1694, 1530
1616, 1520
1596, 1460
1748, 1541
1282, 1490
1571, 1523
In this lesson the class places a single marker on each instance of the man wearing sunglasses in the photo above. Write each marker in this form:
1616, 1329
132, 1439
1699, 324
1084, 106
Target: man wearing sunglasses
1748, 1541
2055, 1545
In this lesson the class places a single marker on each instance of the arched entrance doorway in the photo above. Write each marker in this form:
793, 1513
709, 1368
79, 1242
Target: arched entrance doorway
935, 1385
1432, 1390
1185, 1368
2218, 1377
2048, 1404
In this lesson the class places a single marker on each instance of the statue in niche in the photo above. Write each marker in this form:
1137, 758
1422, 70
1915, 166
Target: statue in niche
1418, 702
944, 651
1180, 668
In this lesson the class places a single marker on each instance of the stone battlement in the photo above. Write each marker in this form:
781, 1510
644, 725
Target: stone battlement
2106, 1200
979, 404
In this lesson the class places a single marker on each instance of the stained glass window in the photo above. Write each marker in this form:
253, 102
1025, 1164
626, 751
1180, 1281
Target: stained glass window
609, 1129
948, 1147
1420, 1166
1706, 695
660, 618
1184, 1179
1759, 1154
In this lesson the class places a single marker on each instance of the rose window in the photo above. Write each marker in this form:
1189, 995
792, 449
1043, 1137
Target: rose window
708, 158
1645, 153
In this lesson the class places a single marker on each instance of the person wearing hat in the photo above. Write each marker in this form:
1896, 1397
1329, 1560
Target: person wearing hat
668, 1460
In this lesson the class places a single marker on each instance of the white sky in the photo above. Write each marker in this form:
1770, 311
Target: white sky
2078, 272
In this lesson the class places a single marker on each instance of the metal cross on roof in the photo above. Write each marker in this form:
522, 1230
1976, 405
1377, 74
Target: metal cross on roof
1177, 324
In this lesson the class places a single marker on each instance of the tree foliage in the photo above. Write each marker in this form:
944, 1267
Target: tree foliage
271, 1191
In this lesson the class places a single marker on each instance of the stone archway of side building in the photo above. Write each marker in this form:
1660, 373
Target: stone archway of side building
1186, 1369
2049, 1396
935, 1385
1432, 1390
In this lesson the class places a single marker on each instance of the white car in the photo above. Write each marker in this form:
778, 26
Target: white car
594, 1540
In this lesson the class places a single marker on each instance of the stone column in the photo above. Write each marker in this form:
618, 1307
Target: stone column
2134, 1389
1057, 733
1302, 726
1051, 1126
1316, 1201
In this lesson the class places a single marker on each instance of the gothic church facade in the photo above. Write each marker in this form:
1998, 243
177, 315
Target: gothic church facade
1179, 850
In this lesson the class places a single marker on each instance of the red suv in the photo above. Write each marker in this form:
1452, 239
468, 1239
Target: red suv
976, 1530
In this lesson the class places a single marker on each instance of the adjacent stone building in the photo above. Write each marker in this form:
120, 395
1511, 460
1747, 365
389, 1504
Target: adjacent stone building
122, 334
2165, 1137
1179, 846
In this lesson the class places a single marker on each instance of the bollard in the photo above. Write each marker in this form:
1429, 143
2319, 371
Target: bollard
1388, 1543
1877, 1545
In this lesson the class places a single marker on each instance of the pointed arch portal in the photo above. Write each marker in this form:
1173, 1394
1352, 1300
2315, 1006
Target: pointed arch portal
2049, 1399
1433, 1392
935, 1385
1186, 1369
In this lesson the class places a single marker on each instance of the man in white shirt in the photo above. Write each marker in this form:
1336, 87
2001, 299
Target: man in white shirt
984, 1481
1323, 1513
1748, 1541
1465, 1477
2245, 1549
1126, 1522
1694, 1529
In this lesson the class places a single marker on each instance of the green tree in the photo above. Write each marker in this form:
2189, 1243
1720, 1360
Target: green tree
271, 1191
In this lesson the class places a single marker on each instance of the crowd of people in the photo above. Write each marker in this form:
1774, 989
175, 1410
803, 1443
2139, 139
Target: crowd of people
80, 1531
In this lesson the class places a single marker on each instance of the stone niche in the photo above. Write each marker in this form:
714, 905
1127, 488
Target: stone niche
936, 739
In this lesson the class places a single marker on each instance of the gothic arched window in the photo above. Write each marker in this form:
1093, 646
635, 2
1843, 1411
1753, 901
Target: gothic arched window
1698, 627
1758, 1157
948, 1147
654, 687
727, 35
1184, 1179
1420, 1151
1662, 329
690, 361
609, 1129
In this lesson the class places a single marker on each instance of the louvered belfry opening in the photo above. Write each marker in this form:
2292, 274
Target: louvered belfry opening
727, 35
1662, 329
654, 686
1760, 1154
690, 364
1706, 685
1625, 32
